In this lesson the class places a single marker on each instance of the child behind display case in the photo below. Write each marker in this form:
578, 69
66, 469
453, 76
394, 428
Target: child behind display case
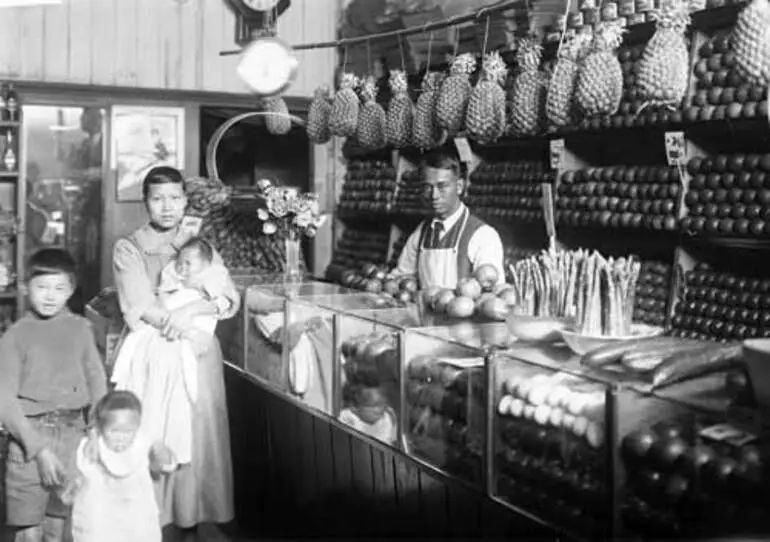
369, 413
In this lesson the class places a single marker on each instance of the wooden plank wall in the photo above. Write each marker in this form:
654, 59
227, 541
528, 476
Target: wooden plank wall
299, 475
159, 44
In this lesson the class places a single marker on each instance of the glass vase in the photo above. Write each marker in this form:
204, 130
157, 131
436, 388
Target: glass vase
292, 272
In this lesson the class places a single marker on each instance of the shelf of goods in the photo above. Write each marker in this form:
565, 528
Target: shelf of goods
12, 196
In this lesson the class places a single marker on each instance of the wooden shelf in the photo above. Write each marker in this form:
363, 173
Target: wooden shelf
9, 174
8, 294
10, 124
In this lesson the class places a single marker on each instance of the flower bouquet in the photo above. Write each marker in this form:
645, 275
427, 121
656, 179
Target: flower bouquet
289, 213
8, 226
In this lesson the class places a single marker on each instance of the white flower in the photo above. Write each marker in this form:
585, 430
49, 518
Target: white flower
290, 193
269, 228
263, 215
310, 232
303, 220
264, 184
320, 220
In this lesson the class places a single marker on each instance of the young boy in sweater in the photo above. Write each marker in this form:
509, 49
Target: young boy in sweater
50, 372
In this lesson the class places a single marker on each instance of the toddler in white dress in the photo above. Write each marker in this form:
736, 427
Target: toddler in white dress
112, 493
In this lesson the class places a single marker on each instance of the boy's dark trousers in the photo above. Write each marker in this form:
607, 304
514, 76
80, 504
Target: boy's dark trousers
27, 501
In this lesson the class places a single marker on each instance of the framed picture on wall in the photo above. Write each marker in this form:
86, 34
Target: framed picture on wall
142, 138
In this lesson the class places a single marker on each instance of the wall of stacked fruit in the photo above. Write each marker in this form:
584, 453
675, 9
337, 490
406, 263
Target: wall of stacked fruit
443, 400
549, 443
620, 197
680, 483
722, 306
508, 190
729, 195
359, 246
369, 188
653, 290
721, 92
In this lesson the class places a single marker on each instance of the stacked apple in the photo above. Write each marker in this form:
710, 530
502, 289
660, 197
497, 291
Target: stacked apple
721, 92
682, 485
652, 293
722, 306
410, 200
552, 434
480, 295
444, 401
368, 188
509, 189
729, 195
356, 248
621, 196
374, 279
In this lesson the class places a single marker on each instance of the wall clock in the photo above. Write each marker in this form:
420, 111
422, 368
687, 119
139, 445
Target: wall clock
251, 16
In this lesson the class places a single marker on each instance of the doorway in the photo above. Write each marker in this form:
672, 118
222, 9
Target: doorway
247, 153
64, 152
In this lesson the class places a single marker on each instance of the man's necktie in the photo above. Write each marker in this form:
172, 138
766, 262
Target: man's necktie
435, 236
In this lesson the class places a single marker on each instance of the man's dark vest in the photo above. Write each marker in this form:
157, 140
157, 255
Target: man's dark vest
472, 225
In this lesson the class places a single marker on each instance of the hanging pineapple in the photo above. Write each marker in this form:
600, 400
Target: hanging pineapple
400, 116
454, 94
343, 118
600, 81
561, 90
664, 68
426, 133
751, 43
370, 131
529, 89
485, 119
318, 117
277, 121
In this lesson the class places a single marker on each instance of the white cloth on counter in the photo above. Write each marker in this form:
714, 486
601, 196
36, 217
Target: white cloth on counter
484, 246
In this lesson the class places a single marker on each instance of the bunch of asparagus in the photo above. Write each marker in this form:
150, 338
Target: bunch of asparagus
595, 292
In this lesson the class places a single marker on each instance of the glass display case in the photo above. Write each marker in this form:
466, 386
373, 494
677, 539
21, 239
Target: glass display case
262, 320
444, 415
551, 444
370, 345
688, 470
306, 367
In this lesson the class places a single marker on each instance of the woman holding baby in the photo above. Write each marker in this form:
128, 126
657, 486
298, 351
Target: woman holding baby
148, 267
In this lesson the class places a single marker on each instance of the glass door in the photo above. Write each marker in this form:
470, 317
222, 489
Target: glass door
64, 152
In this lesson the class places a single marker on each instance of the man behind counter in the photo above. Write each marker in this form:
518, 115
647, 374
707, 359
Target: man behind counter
454, 243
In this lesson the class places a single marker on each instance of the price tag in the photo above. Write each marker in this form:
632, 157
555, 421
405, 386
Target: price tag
724, 432
557, 153
675, 148
192, 224
464, 150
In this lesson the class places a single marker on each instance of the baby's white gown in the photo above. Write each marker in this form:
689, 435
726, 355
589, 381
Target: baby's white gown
116, 501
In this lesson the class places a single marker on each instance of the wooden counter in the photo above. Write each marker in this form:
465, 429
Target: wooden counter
298, 474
